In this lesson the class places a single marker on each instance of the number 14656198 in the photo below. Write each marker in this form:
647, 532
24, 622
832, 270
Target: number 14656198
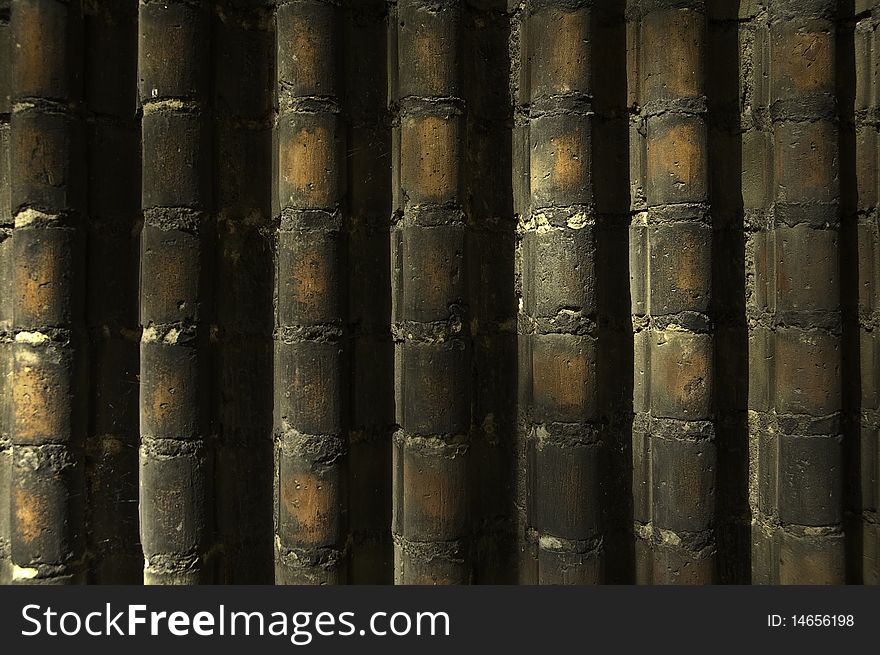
811, 621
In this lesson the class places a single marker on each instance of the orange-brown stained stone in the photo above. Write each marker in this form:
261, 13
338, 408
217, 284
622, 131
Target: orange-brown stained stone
563, 375
170, 390
40, 285
163, 402
430, 158
561, 59
307, 166
673, 47
690, 271
39, 52
311, 503
307, 47
561, 380
569, 162
30, 515
308, 268
432, 57
806, 161
816, 561
560, 160
569, 54
312, 279
676, 158
435, 501
803, 62
681, 375
39, 158
41, 409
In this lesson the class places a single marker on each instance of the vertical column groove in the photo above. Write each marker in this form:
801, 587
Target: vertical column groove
730, 48
526, 544
113, 138
864, 223
241, 330
491, 247
371, 369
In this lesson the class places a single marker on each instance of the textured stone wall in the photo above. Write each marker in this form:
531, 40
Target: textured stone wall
439, 291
